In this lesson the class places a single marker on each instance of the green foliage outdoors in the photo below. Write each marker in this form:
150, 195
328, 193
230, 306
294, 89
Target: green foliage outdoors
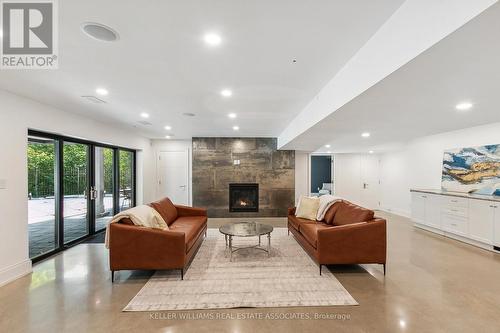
41, 169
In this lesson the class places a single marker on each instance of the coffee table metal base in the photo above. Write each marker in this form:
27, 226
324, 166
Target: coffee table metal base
232, 249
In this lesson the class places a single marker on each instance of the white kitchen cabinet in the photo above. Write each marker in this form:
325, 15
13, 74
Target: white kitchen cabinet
455, 224
418, 207
426, 209
481, 220
433, 211
496, 226
472, 219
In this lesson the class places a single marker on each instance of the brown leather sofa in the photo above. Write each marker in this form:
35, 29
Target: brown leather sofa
349, 234
133, 247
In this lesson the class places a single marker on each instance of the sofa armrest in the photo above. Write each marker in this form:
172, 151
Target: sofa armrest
291, 210
190, 211
133, 247
363, 242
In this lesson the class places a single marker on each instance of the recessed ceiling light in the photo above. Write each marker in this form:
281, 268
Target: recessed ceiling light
99, 32
365, 135
370, 152
232, 115
101, 91
144, 115
226, 93
327, 146
168, 128
464, 106
212, 39
236, 128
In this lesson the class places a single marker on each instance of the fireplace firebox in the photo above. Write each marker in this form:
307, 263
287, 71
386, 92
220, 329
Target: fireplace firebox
244, 197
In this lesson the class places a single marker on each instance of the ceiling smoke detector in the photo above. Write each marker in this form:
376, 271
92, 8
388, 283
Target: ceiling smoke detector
99, 32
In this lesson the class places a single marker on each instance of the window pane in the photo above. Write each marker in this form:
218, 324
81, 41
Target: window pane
75, 184
103, 186
41, 199
126, 179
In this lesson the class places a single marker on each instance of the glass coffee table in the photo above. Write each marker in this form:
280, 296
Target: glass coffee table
246, 229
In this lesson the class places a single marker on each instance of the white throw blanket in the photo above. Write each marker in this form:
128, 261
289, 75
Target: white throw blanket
143, 215
325, 202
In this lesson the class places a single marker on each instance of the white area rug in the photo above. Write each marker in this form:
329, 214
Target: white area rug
288, 277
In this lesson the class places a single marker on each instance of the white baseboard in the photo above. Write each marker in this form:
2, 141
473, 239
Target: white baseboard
14, 272
396, 211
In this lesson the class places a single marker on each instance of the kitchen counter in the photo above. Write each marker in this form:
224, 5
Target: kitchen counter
459, 194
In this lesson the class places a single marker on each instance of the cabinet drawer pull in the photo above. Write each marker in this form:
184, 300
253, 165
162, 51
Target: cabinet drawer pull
424, 196
454, 224
491, 206
454, 200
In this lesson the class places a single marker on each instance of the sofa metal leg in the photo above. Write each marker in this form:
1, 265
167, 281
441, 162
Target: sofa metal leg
384, 268
182, 273
112, 276
320, 269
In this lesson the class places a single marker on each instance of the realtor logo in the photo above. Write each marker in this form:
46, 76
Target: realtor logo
29, 34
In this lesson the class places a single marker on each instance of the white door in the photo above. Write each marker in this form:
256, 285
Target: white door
173, 176
370, 181
481, 219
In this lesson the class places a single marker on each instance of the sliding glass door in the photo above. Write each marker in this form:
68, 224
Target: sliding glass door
126, 170
74, 189
104, 186
42, 181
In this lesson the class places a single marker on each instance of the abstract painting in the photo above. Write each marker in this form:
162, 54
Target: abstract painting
473, 170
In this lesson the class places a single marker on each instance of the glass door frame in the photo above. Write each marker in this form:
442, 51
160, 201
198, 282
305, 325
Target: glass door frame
59, 187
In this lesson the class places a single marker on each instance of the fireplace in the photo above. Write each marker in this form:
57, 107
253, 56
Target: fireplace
243, 197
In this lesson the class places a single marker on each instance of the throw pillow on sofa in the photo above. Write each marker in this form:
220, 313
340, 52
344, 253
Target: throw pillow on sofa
307, 208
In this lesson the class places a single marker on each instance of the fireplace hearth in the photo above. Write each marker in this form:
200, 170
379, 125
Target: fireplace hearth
244, 197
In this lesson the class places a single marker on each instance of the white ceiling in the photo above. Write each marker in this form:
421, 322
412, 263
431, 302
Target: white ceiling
419, 99
161, 66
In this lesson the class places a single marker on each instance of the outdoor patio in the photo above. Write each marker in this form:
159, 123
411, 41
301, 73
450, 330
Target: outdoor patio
41, 224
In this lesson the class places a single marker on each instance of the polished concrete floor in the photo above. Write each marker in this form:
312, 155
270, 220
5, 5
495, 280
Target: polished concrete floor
433, 284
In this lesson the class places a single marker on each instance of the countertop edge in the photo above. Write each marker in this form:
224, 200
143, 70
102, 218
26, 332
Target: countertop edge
459, 195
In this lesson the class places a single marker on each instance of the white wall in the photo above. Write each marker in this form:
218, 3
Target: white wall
419, 163
348, 177
173, 145
302, 179
17, 114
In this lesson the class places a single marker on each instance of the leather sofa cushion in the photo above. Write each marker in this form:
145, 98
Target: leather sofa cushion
330, 214
296, 222
310, 232
166, 209
348, 213
191, 226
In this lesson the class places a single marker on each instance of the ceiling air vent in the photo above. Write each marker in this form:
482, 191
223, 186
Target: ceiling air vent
145, 123
94, 99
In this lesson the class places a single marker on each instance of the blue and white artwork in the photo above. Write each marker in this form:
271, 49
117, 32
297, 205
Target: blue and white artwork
473, 170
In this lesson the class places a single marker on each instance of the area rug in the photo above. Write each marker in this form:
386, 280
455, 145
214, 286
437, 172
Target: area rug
252, 279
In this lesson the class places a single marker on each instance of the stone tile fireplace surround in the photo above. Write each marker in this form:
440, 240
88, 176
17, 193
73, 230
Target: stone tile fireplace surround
219, 162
